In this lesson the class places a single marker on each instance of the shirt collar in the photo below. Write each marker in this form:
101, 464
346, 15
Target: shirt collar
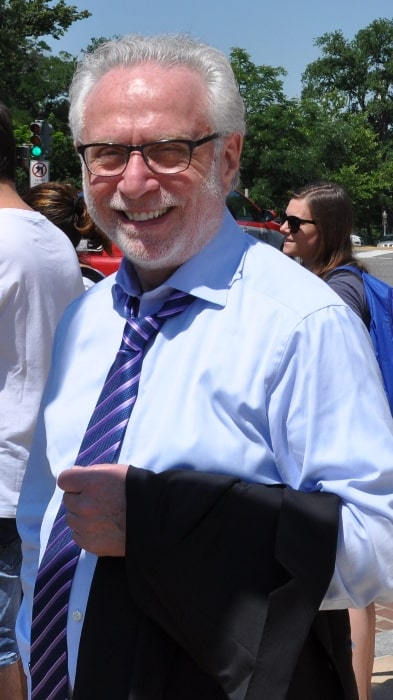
207, 275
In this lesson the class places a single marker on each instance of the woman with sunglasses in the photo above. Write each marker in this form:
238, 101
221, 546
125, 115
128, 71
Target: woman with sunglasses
317, 226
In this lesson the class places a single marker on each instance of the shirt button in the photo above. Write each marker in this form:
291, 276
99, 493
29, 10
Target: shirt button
77, 615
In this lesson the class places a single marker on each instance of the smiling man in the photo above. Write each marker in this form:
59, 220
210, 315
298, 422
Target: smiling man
186, 488
165, 202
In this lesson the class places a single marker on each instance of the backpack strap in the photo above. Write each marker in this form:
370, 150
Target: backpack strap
348, 268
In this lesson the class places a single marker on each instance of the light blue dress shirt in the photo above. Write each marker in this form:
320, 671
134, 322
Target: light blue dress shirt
267, 375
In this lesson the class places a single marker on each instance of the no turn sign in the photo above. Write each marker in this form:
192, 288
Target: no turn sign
39, 172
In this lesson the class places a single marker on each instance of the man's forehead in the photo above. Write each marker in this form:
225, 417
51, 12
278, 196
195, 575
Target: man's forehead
151, 76
142, 97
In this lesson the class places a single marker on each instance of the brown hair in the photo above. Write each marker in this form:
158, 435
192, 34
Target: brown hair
331, 208
65, 206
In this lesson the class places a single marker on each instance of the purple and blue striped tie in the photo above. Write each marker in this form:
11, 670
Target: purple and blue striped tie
101, 444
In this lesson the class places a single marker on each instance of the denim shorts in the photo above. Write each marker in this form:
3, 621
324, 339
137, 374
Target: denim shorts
10, 599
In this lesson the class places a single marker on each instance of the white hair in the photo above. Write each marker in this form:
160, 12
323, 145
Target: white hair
225, 106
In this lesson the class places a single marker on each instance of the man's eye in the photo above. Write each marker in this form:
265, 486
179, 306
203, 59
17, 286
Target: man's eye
168, 150
108, 152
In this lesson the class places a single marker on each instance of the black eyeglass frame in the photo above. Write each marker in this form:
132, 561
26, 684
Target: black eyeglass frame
294, 222
192, 144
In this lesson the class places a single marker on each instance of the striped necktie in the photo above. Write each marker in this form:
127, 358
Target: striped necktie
101, 444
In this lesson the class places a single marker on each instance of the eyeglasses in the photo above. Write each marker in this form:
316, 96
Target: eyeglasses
294, 222
166, 157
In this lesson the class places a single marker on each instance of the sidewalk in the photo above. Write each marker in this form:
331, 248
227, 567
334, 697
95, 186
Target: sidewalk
382, 684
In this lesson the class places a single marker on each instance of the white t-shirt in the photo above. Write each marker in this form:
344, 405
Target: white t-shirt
39, 276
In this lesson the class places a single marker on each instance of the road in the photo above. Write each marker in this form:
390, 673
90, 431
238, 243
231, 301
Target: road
378, 261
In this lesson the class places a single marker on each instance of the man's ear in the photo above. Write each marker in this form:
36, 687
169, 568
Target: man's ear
230, 160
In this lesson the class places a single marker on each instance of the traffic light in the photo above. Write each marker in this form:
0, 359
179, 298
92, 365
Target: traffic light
40, 139
36, 148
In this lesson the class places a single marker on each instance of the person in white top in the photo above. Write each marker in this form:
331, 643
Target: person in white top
39, 277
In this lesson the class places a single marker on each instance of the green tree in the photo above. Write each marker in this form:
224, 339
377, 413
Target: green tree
360, 72
261, 88
41, 88
65, 164
288, 142
356, 79
24, 53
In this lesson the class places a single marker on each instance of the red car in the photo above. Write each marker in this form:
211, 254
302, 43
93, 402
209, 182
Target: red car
260, 223
99, 259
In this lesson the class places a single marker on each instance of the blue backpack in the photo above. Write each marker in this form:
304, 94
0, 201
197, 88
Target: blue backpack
379, 296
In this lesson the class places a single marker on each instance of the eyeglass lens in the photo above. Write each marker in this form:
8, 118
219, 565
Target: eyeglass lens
294, 222
105, 159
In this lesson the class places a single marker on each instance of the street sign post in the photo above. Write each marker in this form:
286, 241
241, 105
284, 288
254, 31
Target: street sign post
39, 172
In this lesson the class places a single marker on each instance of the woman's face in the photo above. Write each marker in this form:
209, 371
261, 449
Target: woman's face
301, 233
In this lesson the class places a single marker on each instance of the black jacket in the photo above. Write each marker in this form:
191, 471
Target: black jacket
218, 596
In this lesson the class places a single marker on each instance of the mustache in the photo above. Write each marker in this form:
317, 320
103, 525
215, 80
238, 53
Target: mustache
165, 200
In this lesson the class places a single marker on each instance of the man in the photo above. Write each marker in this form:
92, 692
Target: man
39, 276
256, 403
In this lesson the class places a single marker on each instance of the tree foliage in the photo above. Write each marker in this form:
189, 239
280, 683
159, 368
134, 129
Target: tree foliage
24, 53
360, 71
356, 78
340, 129
34, 83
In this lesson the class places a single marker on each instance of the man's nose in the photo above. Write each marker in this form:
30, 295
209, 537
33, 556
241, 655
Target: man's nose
137, 177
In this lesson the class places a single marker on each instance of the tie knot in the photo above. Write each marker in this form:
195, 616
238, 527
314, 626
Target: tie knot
175, 304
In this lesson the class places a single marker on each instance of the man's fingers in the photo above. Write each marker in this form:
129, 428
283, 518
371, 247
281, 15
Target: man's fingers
71, 480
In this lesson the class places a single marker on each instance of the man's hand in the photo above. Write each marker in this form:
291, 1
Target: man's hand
95, 502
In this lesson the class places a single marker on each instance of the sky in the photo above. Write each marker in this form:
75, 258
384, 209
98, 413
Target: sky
278, 33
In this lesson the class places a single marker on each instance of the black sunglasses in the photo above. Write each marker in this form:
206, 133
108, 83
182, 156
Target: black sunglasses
294, 222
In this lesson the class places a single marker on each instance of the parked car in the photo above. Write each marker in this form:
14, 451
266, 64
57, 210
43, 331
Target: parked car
356, 240
386, 242
260, 223
100, 260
